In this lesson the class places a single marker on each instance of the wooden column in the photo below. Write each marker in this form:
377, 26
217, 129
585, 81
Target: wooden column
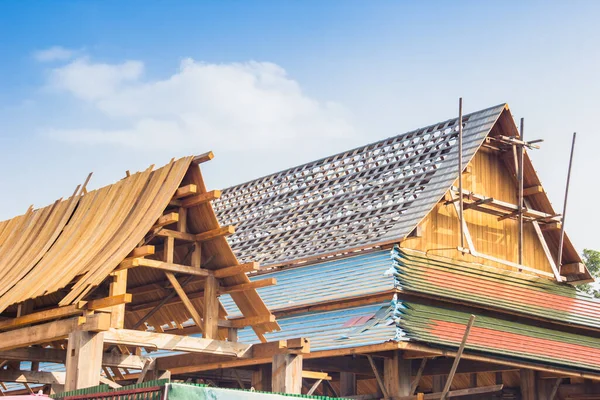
347, 384
397, 375
528, 385
84, 360
211, 308
261, 378
287, 373
118, 286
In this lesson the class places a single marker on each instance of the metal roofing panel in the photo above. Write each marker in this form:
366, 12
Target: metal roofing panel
354, 199
359, 275
493, 287
443, 326
329, 330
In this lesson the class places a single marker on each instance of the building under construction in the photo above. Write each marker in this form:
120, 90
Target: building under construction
381, 272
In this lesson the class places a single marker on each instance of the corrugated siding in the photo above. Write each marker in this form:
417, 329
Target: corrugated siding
326, 329
492, 287
443, 326
332, 280
362, 197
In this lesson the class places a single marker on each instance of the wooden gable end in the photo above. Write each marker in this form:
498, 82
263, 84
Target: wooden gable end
491, 175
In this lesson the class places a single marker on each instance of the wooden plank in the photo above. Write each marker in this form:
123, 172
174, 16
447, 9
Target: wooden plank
41, 377
215, 233
251, 321
142, 251
528, 385
324, 376
415, 383
164, 266
314, 387
248, 286
200, 199
59, 356
113, 300
348, 386
164, 341
211, 308
147, 366
185, 191
455, 393
165, 220
236, 269
52, 331
112, 384
189, 306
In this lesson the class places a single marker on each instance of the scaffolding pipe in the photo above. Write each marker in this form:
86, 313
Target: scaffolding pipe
460, 168
564, 213
520, 201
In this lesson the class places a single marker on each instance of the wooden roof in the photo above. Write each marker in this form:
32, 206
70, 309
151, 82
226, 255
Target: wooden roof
61, 254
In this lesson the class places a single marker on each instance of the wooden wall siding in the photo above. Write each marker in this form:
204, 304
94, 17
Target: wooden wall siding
488, 176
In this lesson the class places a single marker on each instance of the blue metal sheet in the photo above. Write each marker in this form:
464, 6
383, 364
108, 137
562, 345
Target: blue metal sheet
360, 275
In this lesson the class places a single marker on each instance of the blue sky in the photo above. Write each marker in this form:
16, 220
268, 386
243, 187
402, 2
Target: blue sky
109, 86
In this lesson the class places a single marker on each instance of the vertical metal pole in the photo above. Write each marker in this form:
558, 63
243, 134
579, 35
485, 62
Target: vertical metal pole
460, 168
564, 213
520, 203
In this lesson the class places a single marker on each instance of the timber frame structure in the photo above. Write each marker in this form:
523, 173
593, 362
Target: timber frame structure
411, 280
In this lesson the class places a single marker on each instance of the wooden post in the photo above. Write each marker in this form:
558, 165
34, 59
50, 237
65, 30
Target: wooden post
84, 360
528, 385
438, 382
211, 307
118, 286
287, 373
261, 378
397, 375
197, 255
347, 384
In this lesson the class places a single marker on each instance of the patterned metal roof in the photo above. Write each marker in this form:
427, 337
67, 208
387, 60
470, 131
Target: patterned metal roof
359, 275
507, 339
327, 330
363, 197
491, 287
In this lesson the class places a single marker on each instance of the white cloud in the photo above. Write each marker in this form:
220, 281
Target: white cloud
238, 105
54, 53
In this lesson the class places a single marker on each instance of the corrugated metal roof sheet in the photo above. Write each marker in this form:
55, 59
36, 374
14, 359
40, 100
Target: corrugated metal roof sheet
359, 275
334, 329
358, 198
492, 287
443, 326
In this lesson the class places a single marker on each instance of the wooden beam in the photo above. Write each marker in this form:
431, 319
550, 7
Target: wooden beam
530, 191
59, 356
185, 191
84, 360
215, 233
236, 269
211, 308
113, 300
572, 269
287, 373
52, 331
142, 251
200, 199
552, 226
314, 387
250, 321
183, 236
189, 306
164, 266
41, 377
164, 341
165, 220
324, 376
248, 286
202, 158
455, 393
110, 383
382, 386
415, 383
41, 316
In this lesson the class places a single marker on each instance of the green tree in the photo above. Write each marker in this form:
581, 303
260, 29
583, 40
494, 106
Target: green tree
591, 259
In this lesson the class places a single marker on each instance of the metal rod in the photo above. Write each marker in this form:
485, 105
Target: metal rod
564, 213
520, 179
457, 358
460, 185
